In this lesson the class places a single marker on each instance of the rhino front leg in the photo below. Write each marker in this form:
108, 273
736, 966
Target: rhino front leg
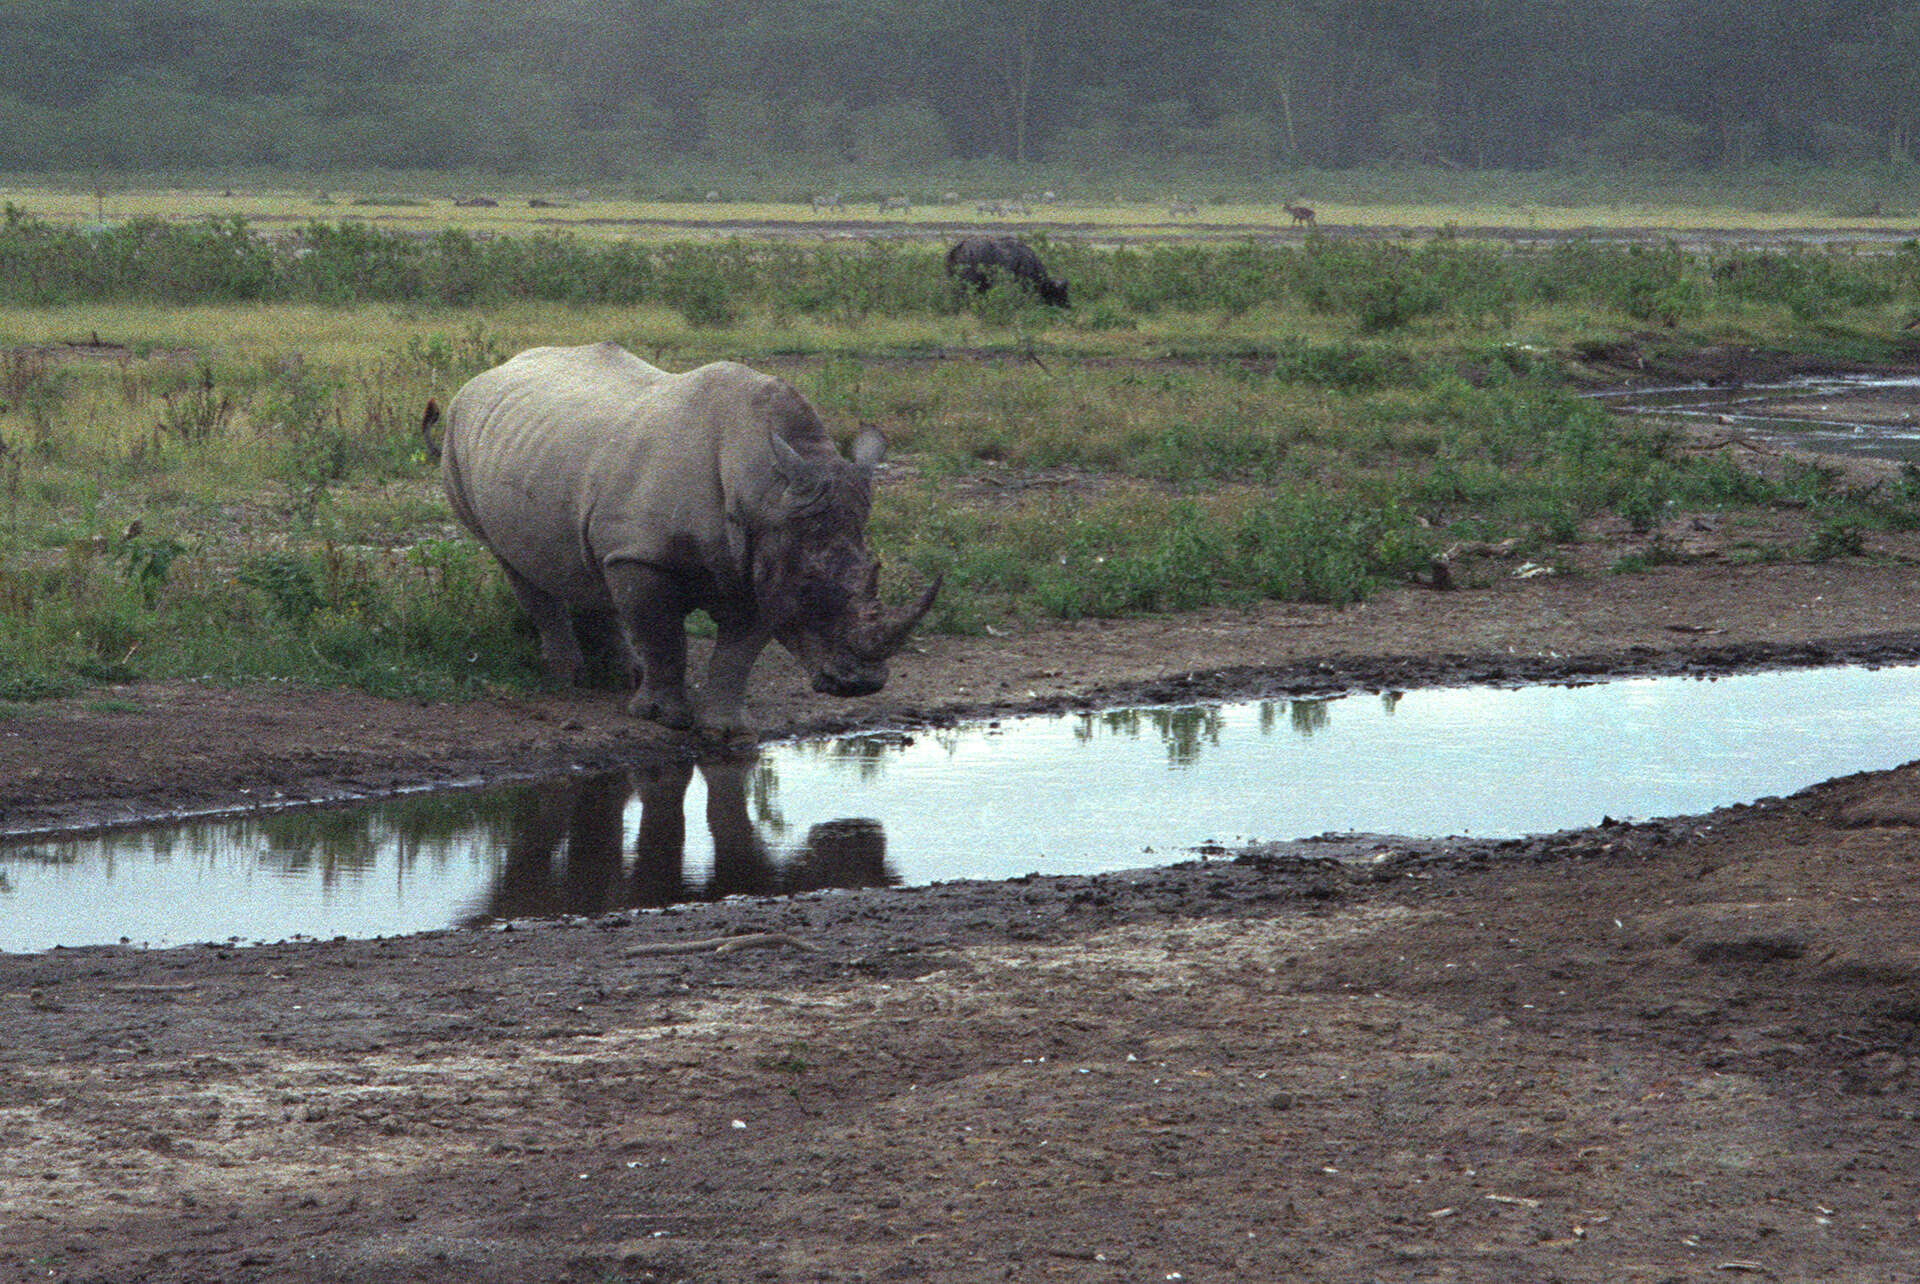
653, 619
736, 646
559, 647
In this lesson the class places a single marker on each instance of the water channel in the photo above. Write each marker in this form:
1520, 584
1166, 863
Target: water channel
1870, 417
1055, 794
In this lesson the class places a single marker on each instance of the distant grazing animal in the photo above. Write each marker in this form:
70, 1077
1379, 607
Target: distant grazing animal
1179, 208
601, 482
980, 260
889, 204
1301, 214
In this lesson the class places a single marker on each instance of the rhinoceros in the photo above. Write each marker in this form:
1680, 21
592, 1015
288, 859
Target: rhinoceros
980, 260
598, 480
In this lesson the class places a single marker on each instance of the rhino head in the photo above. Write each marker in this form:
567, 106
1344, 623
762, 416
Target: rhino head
815, 584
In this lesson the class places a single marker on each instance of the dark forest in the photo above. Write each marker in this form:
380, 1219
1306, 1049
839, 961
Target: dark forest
606, 88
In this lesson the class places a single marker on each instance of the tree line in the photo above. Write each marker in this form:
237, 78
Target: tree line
612, 88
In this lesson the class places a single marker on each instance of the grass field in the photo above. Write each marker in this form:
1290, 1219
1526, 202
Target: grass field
1414, 203
237, 489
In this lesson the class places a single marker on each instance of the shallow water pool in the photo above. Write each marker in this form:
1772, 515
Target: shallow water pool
1058, 794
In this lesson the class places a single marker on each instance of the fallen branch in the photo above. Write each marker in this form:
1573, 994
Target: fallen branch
721, 944
1721, 443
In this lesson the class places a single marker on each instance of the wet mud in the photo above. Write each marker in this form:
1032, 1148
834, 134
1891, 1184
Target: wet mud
1634, 1051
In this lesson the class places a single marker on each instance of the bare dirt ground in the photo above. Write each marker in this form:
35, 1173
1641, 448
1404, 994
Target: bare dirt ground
1674, 1051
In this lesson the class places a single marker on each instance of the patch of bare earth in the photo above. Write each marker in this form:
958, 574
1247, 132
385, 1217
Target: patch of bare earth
1673, 1051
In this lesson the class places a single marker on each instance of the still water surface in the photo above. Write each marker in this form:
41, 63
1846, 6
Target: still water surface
1070, 793
1890, 437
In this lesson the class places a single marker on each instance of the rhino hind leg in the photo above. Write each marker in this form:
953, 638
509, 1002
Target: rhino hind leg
559, 646
654, 622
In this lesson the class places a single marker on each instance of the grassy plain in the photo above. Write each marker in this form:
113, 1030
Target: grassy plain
210, 462
1414, 202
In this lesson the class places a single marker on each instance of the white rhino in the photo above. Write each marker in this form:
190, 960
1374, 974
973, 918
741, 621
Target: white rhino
598, 480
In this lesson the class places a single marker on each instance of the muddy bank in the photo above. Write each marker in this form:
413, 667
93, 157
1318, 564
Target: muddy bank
148, 749
1679, 1051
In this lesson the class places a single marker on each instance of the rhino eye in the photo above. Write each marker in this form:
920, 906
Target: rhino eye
820, 600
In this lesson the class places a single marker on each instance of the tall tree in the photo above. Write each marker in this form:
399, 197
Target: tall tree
1880, 73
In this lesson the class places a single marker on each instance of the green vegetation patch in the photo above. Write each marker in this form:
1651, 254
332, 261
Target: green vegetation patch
236, 487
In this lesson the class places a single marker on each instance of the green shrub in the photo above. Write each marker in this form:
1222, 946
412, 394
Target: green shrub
287, 582
700, 294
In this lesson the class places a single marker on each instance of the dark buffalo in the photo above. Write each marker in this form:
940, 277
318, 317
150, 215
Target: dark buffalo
981, 260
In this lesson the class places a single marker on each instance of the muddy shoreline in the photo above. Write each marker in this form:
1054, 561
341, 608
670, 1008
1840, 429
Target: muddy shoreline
1632, 1052
1313, 677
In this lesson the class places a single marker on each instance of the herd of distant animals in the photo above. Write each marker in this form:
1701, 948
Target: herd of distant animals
824, 202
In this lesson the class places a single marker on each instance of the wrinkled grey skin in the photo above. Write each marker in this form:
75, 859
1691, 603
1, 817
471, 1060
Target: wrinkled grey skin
598, 480
980, 260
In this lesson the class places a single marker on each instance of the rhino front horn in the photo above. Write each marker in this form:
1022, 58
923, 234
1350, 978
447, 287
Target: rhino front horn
893, 636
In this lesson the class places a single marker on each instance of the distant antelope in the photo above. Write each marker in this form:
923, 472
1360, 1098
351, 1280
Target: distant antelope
1301, 214
888, 204
1178, 208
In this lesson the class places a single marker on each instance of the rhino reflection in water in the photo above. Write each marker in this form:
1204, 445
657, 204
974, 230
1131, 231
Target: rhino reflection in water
565, 853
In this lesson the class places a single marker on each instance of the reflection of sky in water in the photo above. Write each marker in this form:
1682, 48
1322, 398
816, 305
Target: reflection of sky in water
215, 881
1745, 408
1471, 760
1072, 793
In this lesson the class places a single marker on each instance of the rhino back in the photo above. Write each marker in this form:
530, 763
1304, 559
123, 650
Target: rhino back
563, 459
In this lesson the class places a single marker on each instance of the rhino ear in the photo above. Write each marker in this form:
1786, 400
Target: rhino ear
870, 447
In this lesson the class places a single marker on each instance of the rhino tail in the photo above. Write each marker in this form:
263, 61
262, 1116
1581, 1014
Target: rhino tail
427, 422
